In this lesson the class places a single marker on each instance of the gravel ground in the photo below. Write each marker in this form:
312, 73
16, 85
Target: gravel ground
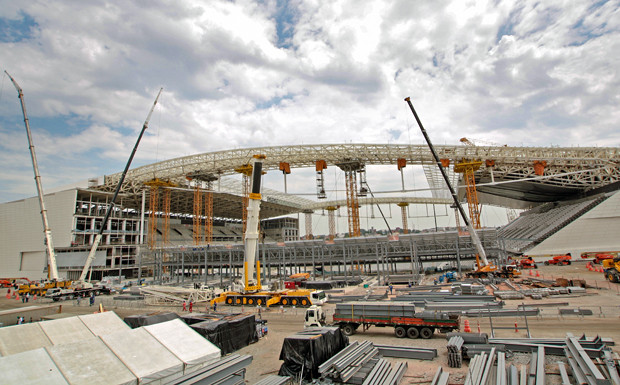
604, 302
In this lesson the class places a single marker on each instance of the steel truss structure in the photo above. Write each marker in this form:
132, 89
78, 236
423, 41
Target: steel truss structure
340, 254
596, 166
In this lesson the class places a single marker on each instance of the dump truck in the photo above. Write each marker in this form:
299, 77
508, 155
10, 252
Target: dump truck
349, 316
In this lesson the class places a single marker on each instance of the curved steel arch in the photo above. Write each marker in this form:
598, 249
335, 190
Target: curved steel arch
576, 167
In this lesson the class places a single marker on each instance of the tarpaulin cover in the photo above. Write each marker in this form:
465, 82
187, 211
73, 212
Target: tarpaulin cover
318, 285
90, 362
104, 323
309, 349
146, 357
21, 338
136, 321
189, 346
229, 334
34, 367
66, 330
194, 318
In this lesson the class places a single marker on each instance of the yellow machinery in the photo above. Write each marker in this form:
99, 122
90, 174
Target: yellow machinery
611, 267
252, 293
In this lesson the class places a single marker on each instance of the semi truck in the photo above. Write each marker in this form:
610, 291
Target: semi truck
59, 294
349, 316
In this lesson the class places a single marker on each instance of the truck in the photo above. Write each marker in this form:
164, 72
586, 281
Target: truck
36, 288
559, 260
250, 290
60, 294
349, 316
611, 268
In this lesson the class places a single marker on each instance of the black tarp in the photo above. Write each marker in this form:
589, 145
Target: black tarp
229, 334
309, 349
135, 321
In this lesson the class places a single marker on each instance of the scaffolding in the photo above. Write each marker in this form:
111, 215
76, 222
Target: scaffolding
331, 217
351, 169
308, 223
197, 233
154, 191
209, 215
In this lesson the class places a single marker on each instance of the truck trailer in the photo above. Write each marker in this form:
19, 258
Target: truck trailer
349, 316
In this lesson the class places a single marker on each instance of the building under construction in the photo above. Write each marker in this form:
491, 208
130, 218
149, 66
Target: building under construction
188, 214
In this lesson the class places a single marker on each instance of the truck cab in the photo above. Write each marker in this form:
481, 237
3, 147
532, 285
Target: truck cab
318, 297
315, 317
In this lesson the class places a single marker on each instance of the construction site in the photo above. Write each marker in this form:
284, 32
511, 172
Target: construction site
198, 274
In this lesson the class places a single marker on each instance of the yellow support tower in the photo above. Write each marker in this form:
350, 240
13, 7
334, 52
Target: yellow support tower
403, 212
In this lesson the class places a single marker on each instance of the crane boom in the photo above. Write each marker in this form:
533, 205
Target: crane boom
93, 249
474, 236
53, 269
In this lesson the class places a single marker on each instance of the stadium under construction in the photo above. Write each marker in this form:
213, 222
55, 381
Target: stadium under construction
188, 214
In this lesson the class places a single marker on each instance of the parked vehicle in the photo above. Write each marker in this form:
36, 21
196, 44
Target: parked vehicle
60, 294
559, 260
528, 263
349, 316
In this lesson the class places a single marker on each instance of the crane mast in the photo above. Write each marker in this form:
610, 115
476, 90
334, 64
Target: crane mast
472, 232
97, 241
53, 269
251, 232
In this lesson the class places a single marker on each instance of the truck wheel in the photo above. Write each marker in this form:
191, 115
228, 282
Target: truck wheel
250, 301
294, 302
348, 330
413, 332
304, 302
568, 262
96, 292
535, 266
400, 332
229, 300
426, 333
546, 263
284, 302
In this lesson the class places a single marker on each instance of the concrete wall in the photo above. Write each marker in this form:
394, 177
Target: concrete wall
22, 242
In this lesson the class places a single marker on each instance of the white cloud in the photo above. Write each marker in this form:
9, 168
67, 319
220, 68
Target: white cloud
247, 73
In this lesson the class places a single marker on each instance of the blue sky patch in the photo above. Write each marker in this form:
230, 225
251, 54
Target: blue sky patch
273, 102
285, 24
12, 31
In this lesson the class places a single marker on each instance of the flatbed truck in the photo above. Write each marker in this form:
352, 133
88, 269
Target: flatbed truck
349, 316
58, 294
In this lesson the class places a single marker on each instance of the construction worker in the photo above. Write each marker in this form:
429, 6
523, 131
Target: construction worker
184, 306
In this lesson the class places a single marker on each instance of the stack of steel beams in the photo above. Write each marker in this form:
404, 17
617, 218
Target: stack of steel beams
375, 308
361, 363
274, 380
455, 352
228, 370
441, 377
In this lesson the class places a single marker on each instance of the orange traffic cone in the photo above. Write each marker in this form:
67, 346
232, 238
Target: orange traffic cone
467, 329
17, 296
34, 297
537, 273
531, 273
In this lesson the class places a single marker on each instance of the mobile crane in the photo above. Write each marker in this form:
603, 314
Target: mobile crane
252, 292
49, 245
484, 267
81, 282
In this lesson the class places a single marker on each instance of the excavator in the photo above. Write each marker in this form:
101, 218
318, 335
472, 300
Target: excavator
483, 267
251, 291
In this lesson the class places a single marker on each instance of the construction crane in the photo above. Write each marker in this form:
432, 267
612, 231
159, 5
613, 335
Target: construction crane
51, 254
81, 282
483, 265
252, 292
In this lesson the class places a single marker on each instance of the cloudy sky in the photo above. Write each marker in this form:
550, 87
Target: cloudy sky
255, 73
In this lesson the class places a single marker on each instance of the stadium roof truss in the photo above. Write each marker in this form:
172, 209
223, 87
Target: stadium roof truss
509, 172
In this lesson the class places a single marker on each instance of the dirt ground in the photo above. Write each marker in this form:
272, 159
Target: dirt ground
603, 300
